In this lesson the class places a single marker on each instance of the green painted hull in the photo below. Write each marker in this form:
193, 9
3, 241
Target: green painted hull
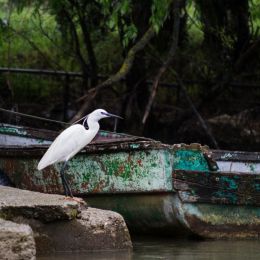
176, 190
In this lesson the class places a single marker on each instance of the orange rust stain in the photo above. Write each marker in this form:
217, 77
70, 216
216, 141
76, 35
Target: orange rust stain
129, 158
139, 162
52, 188
45, 174
84, 185
121, 169
9, 166
99, 187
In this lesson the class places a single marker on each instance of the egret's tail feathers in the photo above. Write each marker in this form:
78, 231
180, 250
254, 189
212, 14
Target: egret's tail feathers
41, 165
44, 163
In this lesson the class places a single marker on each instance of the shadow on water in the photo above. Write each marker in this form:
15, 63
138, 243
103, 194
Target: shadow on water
165, 248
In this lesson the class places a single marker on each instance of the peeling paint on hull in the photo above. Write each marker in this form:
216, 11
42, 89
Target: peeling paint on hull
139, 171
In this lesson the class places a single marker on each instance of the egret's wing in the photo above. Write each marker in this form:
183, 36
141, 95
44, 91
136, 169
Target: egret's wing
67, 144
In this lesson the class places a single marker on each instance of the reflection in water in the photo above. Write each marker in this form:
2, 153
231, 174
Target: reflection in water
104, 255
162, 248
190, 249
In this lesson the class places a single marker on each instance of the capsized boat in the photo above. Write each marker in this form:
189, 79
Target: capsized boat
171, 189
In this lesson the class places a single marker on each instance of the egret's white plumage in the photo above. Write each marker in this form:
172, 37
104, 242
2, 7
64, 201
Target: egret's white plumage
67, 144
73, 139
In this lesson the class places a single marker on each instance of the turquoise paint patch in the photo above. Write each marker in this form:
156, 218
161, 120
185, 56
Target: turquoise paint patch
189, 160
257, 186
101, 133
134, 146
12, 131
228, 183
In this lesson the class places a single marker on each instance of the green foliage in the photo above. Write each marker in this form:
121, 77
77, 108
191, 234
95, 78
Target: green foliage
107, 54
39, 36
194, 25
122, 10
21, 36
255, 14
160, 11
130, 34
118, 13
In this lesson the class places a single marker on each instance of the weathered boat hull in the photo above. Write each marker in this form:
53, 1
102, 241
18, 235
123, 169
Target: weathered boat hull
150, 213
167, 214
113, 172
176, 190
219, 221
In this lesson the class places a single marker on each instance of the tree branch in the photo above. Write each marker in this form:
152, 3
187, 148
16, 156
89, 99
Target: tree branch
125, 68
227, 78
246, 55
82, 61
127, 64
163, 68
87, 40
195, 111
90, 50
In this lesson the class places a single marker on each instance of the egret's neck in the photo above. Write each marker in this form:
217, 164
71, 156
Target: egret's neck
93, 124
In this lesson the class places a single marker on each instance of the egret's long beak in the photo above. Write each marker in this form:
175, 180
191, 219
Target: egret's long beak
112, 115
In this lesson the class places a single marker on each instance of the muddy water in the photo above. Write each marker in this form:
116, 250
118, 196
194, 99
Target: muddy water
154, 248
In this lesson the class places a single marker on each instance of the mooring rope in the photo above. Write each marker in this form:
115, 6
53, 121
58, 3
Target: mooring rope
33, 117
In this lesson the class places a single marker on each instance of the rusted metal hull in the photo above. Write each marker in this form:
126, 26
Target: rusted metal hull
219, 221
150, 213
167, 214
139, 171
224, 203
157, 188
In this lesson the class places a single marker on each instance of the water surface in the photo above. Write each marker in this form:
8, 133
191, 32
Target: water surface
165, 248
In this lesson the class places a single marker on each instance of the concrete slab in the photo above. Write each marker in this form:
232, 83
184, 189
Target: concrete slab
29, 204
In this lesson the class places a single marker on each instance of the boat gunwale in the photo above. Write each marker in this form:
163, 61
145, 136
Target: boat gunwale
236, 156
50, 135
93, 148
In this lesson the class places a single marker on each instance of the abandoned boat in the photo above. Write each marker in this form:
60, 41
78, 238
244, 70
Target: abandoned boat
176, 189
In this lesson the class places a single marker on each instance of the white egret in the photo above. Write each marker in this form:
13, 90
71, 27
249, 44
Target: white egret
71, 141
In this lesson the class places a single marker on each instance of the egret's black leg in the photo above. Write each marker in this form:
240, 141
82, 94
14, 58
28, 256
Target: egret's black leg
65, 184
68, 187
63, 179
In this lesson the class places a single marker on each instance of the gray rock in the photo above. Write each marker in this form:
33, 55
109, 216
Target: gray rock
16, 241
96, 230
59, 224
29, 204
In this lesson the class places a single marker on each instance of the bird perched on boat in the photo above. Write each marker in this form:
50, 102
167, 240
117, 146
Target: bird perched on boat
71, 141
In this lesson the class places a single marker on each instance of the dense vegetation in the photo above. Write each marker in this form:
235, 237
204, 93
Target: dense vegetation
207, 52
